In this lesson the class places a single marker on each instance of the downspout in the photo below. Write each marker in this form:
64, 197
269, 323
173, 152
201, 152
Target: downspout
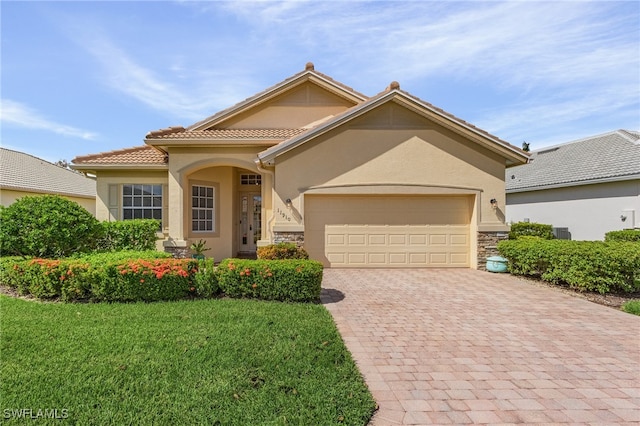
261, 169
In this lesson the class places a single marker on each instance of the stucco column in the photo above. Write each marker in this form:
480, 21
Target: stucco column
176, 243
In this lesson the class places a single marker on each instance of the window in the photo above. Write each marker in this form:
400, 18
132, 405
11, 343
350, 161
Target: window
141, 201
250, 179
203, 208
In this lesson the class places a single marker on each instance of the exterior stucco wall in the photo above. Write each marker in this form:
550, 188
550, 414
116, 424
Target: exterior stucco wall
589, 211
432, 159
9, 196
293, 109
217, 166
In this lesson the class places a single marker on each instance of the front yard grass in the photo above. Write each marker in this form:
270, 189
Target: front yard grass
228, 362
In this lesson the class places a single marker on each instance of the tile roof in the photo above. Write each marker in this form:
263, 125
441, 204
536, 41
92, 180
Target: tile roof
610, 156
24, 172
223, 134
136, 155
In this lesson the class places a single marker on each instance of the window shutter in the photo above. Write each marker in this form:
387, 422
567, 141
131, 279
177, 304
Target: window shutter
114, 202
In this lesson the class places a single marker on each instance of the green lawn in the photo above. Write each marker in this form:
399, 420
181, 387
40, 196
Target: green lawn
190, 362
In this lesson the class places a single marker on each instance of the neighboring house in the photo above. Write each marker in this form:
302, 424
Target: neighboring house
23, 174
386, 181
590, 186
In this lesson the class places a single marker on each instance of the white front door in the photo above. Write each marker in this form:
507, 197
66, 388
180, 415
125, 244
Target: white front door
250, 221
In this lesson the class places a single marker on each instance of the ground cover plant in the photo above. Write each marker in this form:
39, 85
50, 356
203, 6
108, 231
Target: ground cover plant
231, 362
632, 307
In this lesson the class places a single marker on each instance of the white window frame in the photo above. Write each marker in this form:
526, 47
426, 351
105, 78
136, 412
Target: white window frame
145, 201
206, 211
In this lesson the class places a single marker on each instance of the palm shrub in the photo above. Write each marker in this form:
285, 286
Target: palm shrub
47, 226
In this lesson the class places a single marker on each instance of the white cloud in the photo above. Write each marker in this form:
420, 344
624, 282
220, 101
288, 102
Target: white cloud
18, 114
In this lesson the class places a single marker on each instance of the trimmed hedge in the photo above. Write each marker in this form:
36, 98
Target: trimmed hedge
283, 280
136, 234
282, 251
121, 277
530, 229
583, 265
632, 235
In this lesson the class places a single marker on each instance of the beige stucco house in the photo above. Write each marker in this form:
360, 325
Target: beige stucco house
382, 181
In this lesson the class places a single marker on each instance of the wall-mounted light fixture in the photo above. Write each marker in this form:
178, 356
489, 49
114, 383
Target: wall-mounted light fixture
288, 202
494, 203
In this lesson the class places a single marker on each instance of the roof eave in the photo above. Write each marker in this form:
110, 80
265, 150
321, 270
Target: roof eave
44, 191
117, 166
512, 155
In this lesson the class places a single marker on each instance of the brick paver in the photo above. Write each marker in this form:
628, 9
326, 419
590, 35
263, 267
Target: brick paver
459, 346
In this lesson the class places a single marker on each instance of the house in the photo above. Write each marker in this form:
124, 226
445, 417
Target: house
583, 188
22, 174
382, 181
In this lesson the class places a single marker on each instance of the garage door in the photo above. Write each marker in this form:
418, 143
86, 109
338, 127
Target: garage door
388, 231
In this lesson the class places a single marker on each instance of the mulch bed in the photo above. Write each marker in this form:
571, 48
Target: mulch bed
612, 300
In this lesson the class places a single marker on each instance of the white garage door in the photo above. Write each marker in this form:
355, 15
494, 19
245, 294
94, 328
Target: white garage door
388, 231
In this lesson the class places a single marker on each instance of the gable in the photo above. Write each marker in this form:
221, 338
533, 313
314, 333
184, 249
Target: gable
295, 108
397, 109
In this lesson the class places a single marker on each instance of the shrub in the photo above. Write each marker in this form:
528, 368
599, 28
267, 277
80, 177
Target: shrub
136, 234
520, 229
583, 265
145, 280
282, 251
205, 280
632, 307
283, 280
632, 235
47, 226
102, 277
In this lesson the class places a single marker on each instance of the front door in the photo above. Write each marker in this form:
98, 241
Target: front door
250, 221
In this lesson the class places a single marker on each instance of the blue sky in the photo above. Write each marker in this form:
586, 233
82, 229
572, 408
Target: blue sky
86, 77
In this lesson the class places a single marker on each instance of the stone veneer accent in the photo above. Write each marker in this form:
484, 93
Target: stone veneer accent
289, 237
487, 246
177, 252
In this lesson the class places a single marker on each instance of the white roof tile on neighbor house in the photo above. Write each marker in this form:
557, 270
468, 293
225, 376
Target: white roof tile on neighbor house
24, 172
610, 156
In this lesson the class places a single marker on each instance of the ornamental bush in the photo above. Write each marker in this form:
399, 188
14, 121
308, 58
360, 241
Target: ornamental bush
102, 277
583, 265
47, 226
283, 280
632, 235
136, 234
282, 251
530, 229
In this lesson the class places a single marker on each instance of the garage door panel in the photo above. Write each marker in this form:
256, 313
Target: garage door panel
381, 231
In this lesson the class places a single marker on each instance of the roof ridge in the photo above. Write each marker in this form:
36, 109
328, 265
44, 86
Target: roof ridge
601, 135
632, 136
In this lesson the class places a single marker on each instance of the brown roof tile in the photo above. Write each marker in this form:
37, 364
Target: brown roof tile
221, 134
136, 155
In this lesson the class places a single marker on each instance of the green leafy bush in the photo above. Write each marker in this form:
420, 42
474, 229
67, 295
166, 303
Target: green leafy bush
145, 280
583, 265
521, 229
632, 235
632, 307
205, 279
102, 277
282, 251
283, 280
136, 234
47, 226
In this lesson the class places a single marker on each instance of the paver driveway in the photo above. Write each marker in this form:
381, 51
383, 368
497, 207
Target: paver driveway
458, 346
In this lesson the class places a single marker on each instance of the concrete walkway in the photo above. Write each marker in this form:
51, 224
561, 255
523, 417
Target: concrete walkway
458, 346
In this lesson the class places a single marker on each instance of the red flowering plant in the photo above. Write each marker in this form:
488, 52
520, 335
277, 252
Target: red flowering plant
144, 280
